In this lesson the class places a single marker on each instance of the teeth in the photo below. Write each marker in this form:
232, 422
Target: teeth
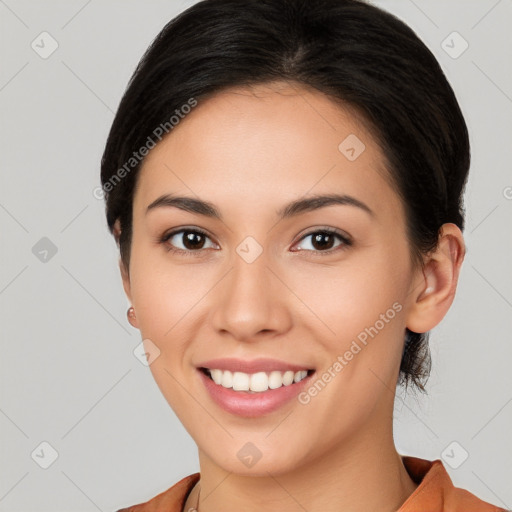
216, 376
288, 377
258, 382
241, 381
227, 379
255, 382
299, 375
275, 380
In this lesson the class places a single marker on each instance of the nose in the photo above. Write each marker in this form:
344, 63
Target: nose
251, 302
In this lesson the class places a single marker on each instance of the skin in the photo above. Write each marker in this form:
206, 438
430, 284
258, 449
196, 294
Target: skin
250, 152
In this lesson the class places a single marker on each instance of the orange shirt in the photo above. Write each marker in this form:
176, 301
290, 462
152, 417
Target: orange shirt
435, 493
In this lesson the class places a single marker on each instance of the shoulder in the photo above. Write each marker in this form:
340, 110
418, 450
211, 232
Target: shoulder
171, 500
436, 492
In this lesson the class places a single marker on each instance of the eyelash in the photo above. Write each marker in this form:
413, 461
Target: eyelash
170, 248
346, 242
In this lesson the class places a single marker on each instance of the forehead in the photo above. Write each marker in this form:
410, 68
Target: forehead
266, 144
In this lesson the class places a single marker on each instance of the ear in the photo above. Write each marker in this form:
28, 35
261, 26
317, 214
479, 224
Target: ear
435, 288
125, 275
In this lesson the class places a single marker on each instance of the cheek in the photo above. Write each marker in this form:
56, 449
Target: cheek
163, 291
361, 308
351, 296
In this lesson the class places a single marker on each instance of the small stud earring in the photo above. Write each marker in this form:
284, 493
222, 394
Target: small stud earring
130, 313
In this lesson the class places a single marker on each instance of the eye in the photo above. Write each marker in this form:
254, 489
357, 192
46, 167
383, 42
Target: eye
324, 241
187, 241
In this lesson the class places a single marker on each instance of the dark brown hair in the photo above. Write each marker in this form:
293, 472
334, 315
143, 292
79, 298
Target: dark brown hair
347, 49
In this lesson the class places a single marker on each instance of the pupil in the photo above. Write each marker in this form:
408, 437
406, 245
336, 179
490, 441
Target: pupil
193, 240
322, 241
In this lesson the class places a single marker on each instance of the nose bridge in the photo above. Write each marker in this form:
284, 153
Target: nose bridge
248, 300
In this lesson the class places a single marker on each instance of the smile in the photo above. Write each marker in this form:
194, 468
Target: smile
252, 388
254, 382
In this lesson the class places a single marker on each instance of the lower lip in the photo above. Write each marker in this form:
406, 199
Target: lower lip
251, 405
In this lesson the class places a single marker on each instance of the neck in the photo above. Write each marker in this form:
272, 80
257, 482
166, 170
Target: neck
363, 474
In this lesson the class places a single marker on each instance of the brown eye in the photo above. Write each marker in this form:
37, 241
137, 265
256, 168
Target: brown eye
193, 240
187, 240
323, 241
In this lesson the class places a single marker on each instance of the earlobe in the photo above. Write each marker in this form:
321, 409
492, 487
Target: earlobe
125, 276
130, 314
116, 231
435, 291
127, 289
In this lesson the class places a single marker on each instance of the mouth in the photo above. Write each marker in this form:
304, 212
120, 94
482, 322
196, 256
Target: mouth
253, 388
257, 382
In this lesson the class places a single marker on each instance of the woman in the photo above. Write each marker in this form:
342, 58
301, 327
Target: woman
284, 180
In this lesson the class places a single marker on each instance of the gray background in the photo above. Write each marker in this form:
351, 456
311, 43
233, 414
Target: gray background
68, 373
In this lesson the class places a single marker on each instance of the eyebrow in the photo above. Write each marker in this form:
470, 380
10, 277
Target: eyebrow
306, 204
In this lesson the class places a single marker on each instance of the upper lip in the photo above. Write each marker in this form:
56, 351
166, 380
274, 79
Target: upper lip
251, 366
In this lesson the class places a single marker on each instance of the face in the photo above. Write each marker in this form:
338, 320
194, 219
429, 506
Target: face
253, 279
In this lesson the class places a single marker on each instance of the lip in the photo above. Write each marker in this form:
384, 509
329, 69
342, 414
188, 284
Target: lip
243, 403
252, 366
